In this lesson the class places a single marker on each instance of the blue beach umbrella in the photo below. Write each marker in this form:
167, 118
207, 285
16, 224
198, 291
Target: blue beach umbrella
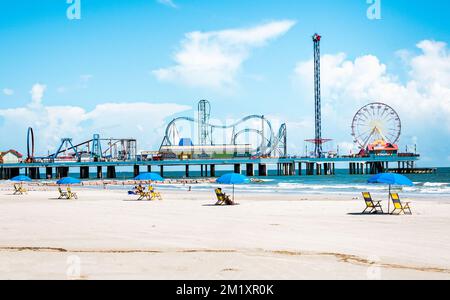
233, 178
149, 177
21, 178
68, 180
391, 179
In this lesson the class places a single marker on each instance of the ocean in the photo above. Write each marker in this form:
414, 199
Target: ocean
342, 182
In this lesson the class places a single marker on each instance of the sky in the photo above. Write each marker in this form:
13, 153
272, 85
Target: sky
72, 68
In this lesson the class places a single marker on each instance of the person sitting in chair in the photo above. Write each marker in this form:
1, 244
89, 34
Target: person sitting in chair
222, 198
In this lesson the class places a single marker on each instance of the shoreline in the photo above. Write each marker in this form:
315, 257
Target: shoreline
207, 185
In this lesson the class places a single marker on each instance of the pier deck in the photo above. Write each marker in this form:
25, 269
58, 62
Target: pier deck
285, 166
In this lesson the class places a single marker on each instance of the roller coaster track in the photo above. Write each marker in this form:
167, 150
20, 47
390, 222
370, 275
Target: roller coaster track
112, 142
30, 145
269, 141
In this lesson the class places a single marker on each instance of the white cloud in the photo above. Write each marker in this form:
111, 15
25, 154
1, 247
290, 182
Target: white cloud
212, 59
37, 93
422, 101
168, 3
143, 121
8, 92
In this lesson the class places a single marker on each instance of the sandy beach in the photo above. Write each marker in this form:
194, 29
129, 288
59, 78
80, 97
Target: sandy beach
106, 234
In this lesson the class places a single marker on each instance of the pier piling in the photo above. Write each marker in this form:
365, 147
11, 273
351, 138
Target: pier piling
237, 168
136, 170
309, 169
111, 172
49, 172
62, 172
99, 172
249, 170
34, 173
292, 169
84, 172
262, 170
318, 169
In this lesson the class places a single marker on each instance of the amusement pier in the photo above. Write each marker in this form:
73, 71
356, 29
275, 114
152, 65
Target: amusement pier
251, 145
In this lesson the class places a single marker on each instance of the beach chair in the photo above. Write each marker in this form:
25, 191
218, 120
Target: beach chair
372, 207
19, 189
62, 194
220, 197
154, 195
16, 189
70, 194
400, 207
142, 194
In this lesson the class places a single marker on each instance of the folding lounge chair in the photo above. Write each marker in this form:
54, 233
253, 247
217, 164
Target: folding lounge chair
153, 195
400, 207
220, 197
62, 194
372, 207
23, 190
70, 194
19, 189
142, 194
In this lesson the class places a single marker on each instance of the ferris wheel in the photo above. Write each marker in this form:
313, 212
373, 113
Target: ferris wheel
376, 121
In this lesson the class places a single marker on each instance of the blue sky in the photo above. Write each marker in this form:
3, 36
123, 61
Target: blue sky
138, 53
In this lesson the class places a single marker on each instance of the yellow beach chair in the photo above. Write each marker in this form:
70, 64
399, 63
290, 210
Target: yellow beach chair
372, 207
70, 194
220, 197
19, 189
142, 194
154, 195
400, 207
62, 194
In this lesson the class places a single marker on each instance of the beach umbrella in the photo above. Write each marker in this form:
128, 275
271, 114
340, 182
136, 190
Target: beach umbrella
68, 180
21, 178
233, 178
391, 179
149, 177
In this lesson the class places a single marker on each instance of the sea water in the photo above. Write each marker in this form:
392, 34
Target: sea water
342, 182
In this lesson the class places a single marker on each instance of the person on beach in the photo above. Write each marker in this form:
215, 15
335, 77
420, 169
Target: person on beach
138, 189
223, 199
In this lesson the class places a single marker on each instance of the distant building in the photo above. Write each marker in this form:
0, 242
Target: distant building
382, 148
202, 152
10, 157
